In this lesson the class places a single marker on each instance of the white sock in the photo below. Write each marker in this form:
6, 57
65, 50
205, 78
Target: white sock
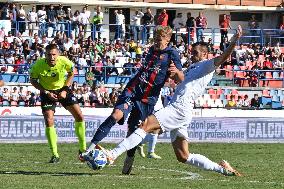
203, 162
91, 147
146, 139
153, 138
128, 143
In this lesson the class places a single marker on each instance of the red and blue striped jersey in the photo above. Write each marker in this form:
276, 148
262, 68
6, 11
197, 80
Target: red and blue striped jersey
151, 77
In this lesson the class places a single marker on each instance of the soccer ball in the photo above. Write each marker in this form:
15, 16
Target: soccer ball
96, 159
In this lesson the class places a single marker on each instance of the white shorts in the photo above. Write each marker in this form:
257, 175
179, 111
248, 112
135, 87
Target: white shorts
170, 119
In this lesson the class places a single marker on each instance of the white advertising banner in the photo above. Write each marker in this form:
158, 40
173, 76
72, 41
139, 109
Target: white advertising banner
27, 129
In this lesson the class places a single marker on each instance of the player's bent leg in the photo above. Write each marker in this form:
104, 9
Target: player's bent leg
150, 124
105, 127
180, 146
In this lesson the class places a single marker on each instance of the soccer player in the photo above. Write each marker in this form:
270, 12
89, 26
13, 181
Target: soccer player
177, 115
49, 76
1, 81
142, 91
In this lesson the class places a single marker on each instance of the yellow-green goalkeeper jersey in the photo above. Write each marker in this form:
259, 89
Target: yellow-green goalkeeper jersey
51, 78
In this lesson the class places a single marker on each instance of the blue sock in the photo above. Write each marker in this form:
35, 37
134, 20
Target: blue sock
103, 130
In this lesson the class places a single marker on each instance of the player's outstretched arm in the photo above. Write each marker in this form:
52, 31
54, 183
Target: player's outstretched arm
223, 57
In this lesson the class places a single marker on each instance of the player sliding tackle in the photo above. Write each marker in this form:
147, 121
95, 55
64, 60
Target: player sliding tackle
176, 116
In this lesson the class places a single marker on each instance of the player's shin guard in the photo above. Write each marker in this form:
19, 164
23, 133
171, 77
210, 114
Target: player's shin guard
103, 130
130, 142
80, 133
51, 136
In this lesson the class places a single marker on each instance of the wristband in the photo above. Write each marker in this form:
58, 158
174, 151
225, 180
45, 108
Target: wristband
46, 92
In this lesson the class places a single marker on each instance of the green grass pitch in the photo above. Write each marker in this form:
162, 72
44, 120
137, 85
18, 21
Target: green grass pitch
25, 166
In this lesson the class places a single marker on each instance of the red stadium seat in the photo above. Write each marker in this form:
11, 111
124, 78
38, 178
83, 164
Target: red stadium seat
14, 103
268, 75
228, 71
214, 96
211, 91
234, 92
265, 93
219, 91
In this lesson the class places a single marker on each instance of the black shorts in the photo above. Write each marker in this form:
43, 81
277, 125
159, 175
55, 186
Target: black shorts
48, 104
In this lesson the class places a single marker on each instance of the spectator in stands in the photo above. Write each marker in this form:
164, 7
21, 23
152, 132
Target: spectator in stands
75, 23
94, 100
201, 24
231, 103
277, 50
250, 51
14, 95
224, 26
147, 20
21, 19
98, 71
61, 19
41, 15
254, 75
98, 18
253, 26
267, 64
163, 18
128, 67
191, 26
6, 95
84, 20
31, 99
241, 55
255, 101
120, 24
224, 44
2, 34
5, 12
267, 50
239, 102
33, 19
246, 102
51, 18
89, 77
277, 63
177, 23
135, 23
13, 18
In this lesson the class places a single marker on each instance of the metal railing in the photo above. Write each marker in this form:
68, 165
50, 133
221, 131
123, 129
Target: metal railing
263, 77
144, 32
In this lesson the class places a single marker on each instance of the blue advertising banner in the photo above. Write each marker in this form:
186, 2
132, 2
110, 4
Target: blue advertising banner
27, 129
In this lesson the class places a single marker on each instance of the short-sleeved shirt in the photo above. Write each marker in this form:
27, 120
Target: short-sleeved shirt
51, 78
147, 83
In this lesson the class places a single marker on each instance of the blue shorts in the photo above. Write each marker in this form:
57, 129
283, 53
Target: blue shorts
138, 110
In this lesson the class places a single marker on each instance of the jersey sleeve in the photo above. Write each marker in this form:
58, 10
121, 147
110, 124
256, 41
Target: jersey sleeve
200, 69
69, 65
34, 72
176, 59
